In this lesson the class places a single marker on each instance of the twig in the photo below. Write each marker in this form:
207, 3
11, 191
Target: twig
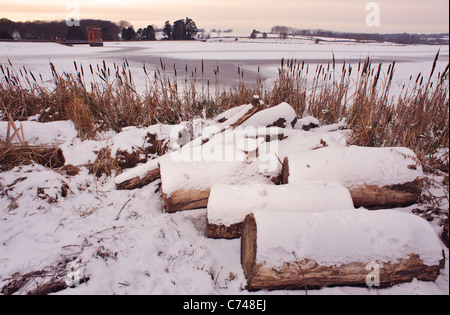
123, 207
111, 228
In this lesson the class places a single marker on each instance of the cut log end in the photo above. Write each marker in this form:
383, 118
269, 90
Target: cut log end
249, 246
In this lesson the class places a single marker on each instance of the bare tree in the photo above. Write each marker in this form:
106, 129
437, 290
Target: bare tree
124, 24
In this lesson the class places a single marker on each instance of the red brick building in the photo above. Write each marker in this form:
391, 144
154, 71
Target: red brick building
95, 37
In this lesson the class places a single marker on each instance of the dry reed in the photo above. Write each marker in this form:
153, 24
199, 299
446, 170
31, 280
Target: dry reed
417, 118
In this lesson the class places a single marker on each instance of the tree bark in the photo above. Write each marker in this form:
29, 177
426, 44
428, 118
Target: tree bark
284, 176
250, 113
387, 197
310, 275
217, 231
139, 182
186, 200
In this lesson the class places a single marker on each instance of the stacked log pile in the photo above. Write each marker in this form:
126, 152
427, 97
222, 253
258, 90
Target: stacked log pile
228, 156
300, 222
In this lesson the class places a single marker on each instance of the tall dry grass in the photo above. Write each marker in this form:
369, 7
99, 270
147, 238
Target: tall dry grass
104, 97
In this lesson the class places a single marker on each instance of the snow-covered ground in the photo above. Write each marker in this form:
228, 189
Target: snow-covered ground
122, 240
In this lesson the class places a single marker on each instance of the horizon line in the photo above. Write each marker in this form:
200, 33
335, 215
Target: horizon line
202, 28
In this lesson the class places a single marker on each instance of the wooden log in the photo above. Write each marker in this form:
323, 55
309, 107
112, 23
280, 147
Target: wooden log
231, 115
139, 176
282, 116
378, 178
139, 181
228, 205
182, 200
391, 196
341, 250
218, 231
186, 185
252, 111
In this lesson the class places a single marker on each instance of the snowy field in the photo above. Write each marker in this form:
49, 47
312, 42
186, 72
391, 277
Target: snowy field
122, 240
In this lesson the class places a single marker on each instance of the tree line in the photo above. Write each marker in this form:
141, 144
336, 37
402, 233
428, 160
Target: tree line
128, 32
399, 38
183, 29
52, 30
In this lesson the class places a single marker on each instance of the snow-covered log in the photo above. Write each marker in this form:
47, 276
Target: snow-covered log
228, 205
237, 115
338, 248
245, 156
282, 115
376, 177
138, 177
251, 112
186, 185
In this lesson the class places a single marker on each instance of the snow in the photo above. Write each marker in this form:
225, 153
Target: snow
137, 171
306, 121
269, 116
200, 175
324, 237
146, 249
355, 166
125, 242
232, 115
134, 137
43, 133
230, 204
299, 141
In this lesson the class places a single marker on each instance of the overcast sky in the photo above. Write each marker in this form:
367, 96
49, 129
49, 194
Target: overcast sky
413, 16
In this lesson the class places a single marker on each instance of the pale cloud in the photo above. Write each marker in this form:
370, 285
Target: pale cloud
349, 15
